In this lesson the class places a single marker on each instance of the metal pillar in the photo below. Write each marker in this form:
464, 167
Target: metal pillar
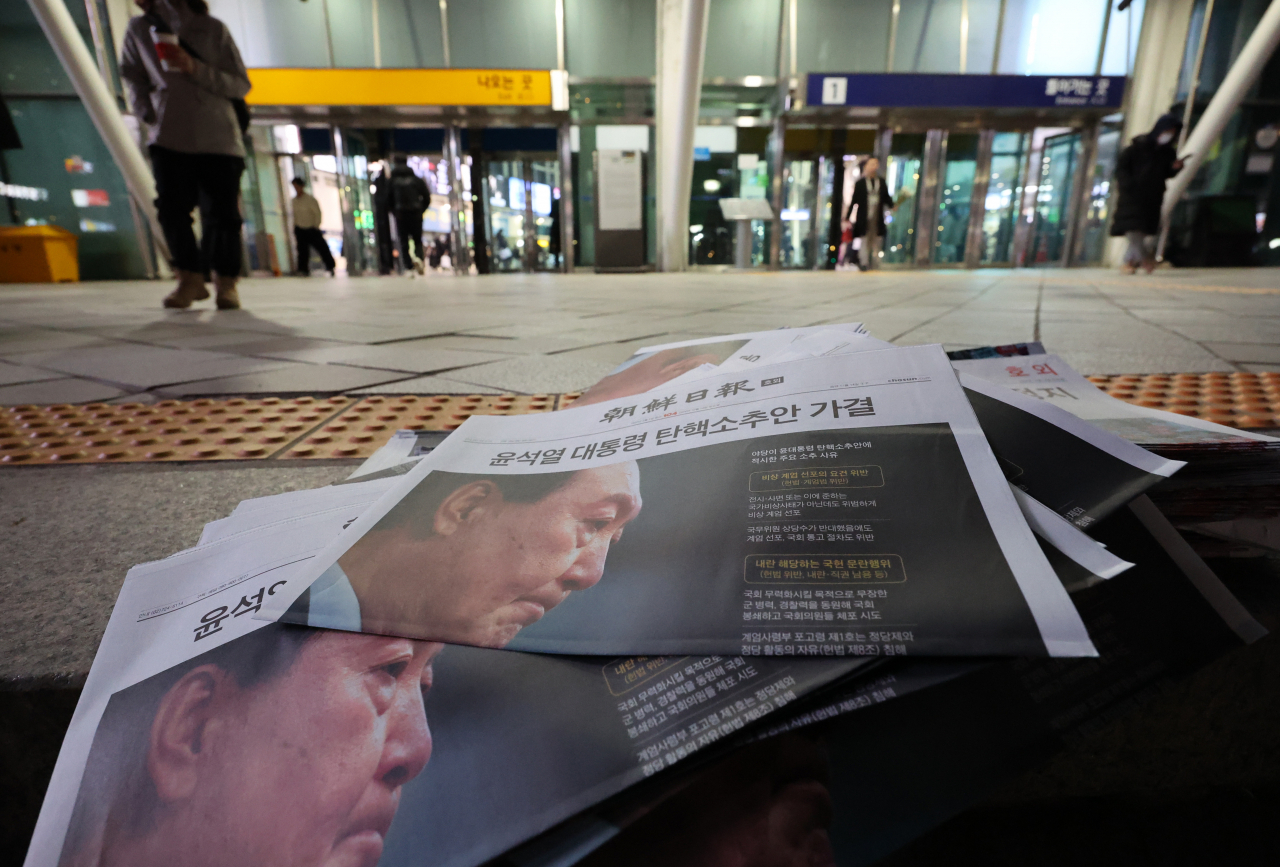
777, 144
682, 43
79, 65
459, 253
566, 199
935, 154
975, 239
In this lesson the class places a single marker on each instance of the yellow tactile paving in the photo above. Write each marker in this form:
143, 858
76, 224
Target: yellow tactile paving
171, 430
1243, 400
344, 427
363, 428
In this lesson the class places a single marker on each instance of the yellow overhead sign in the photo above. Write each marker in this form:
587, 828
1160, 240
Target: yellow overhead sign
399, 87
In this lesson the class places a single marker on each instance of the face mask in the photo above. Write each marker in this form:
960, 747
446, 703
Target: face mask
1164, 138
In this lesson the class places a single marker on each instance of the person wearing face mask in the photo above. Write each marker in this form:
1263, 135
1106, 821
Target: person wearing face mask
1142, 170
473, 559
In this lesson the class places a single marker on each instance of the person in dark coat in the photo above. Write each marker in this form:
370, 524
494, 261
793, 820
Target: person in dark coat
866, 213
1142, 170
409, 198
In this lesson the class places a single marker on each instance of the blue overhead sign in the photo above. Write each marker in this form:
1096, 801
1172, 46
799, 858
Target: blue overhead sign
922, 90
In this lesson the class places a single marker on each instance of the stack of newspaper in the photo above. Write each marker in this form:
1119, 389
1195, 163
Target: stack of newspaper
797, 594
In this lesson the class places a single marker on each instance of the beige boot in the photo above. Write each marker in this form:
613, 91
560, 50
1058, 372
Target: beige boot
190, 288
228, 298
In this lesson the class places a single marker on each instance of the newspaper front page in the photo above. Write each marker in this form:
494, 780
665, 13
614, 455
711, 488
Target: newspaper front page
832, 506
203, 729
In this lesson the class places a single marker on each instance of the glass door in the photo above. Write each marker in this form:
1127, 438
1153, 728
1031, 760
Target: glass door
1093, 245
902, 175
544, 216
1052, 199
359, 239
523, 213
506, 212
799, 206
960, 165
1004, 192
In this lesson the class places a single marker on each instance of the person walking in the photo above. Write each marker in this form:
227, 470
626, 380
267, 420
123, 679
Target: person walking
306, 230
871, 199
187, 83
1142, 170
409, 198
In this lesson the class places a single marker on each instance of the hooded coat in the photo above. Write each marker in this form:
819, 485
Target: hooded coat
1142, 170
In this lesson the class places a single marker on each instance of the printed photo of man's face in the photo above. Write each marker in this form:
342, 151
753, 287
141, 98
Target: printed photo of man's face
297, 760
475, 559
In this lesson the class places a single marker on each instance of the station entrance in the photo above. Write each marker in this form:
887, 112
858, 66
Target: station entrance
970, 198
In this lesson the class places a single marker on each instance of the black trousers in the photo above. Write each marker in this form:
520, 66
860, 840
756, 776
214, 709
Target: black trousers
409, 228
308, 240
213, 181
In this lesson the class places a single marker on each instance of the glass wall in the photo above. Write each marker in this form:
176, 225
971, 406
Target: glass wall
835, 35
614, 39
946, 36
611, 40
742, 38
1051, 37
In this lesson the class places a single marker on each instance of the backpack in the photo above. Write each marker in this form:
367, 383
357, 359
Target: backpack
406, 192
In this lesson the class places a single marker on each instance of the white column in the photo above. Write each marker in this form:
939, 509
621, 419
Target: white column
1243, 73
79, 65
682, 42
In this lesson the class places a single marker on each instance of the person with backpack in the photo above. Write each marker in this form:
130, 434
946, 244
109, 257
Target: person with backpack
187, 84
409, 198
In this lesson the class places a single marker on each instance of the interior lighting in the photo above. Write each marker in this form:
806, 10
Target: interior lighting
1274, 244
711, 185
693, 230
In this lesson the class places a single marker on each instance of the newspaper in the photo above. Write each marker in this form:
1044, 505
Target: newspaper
1049, 378
817, 507
653, 366
202, 728
1082, 472
837, 786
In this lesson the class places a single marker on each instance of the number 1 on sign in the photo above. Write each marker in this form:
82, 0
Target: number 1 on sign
834, 90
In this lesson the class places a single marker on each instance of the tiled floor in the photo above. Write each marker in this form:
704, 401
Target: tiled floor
555, 333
